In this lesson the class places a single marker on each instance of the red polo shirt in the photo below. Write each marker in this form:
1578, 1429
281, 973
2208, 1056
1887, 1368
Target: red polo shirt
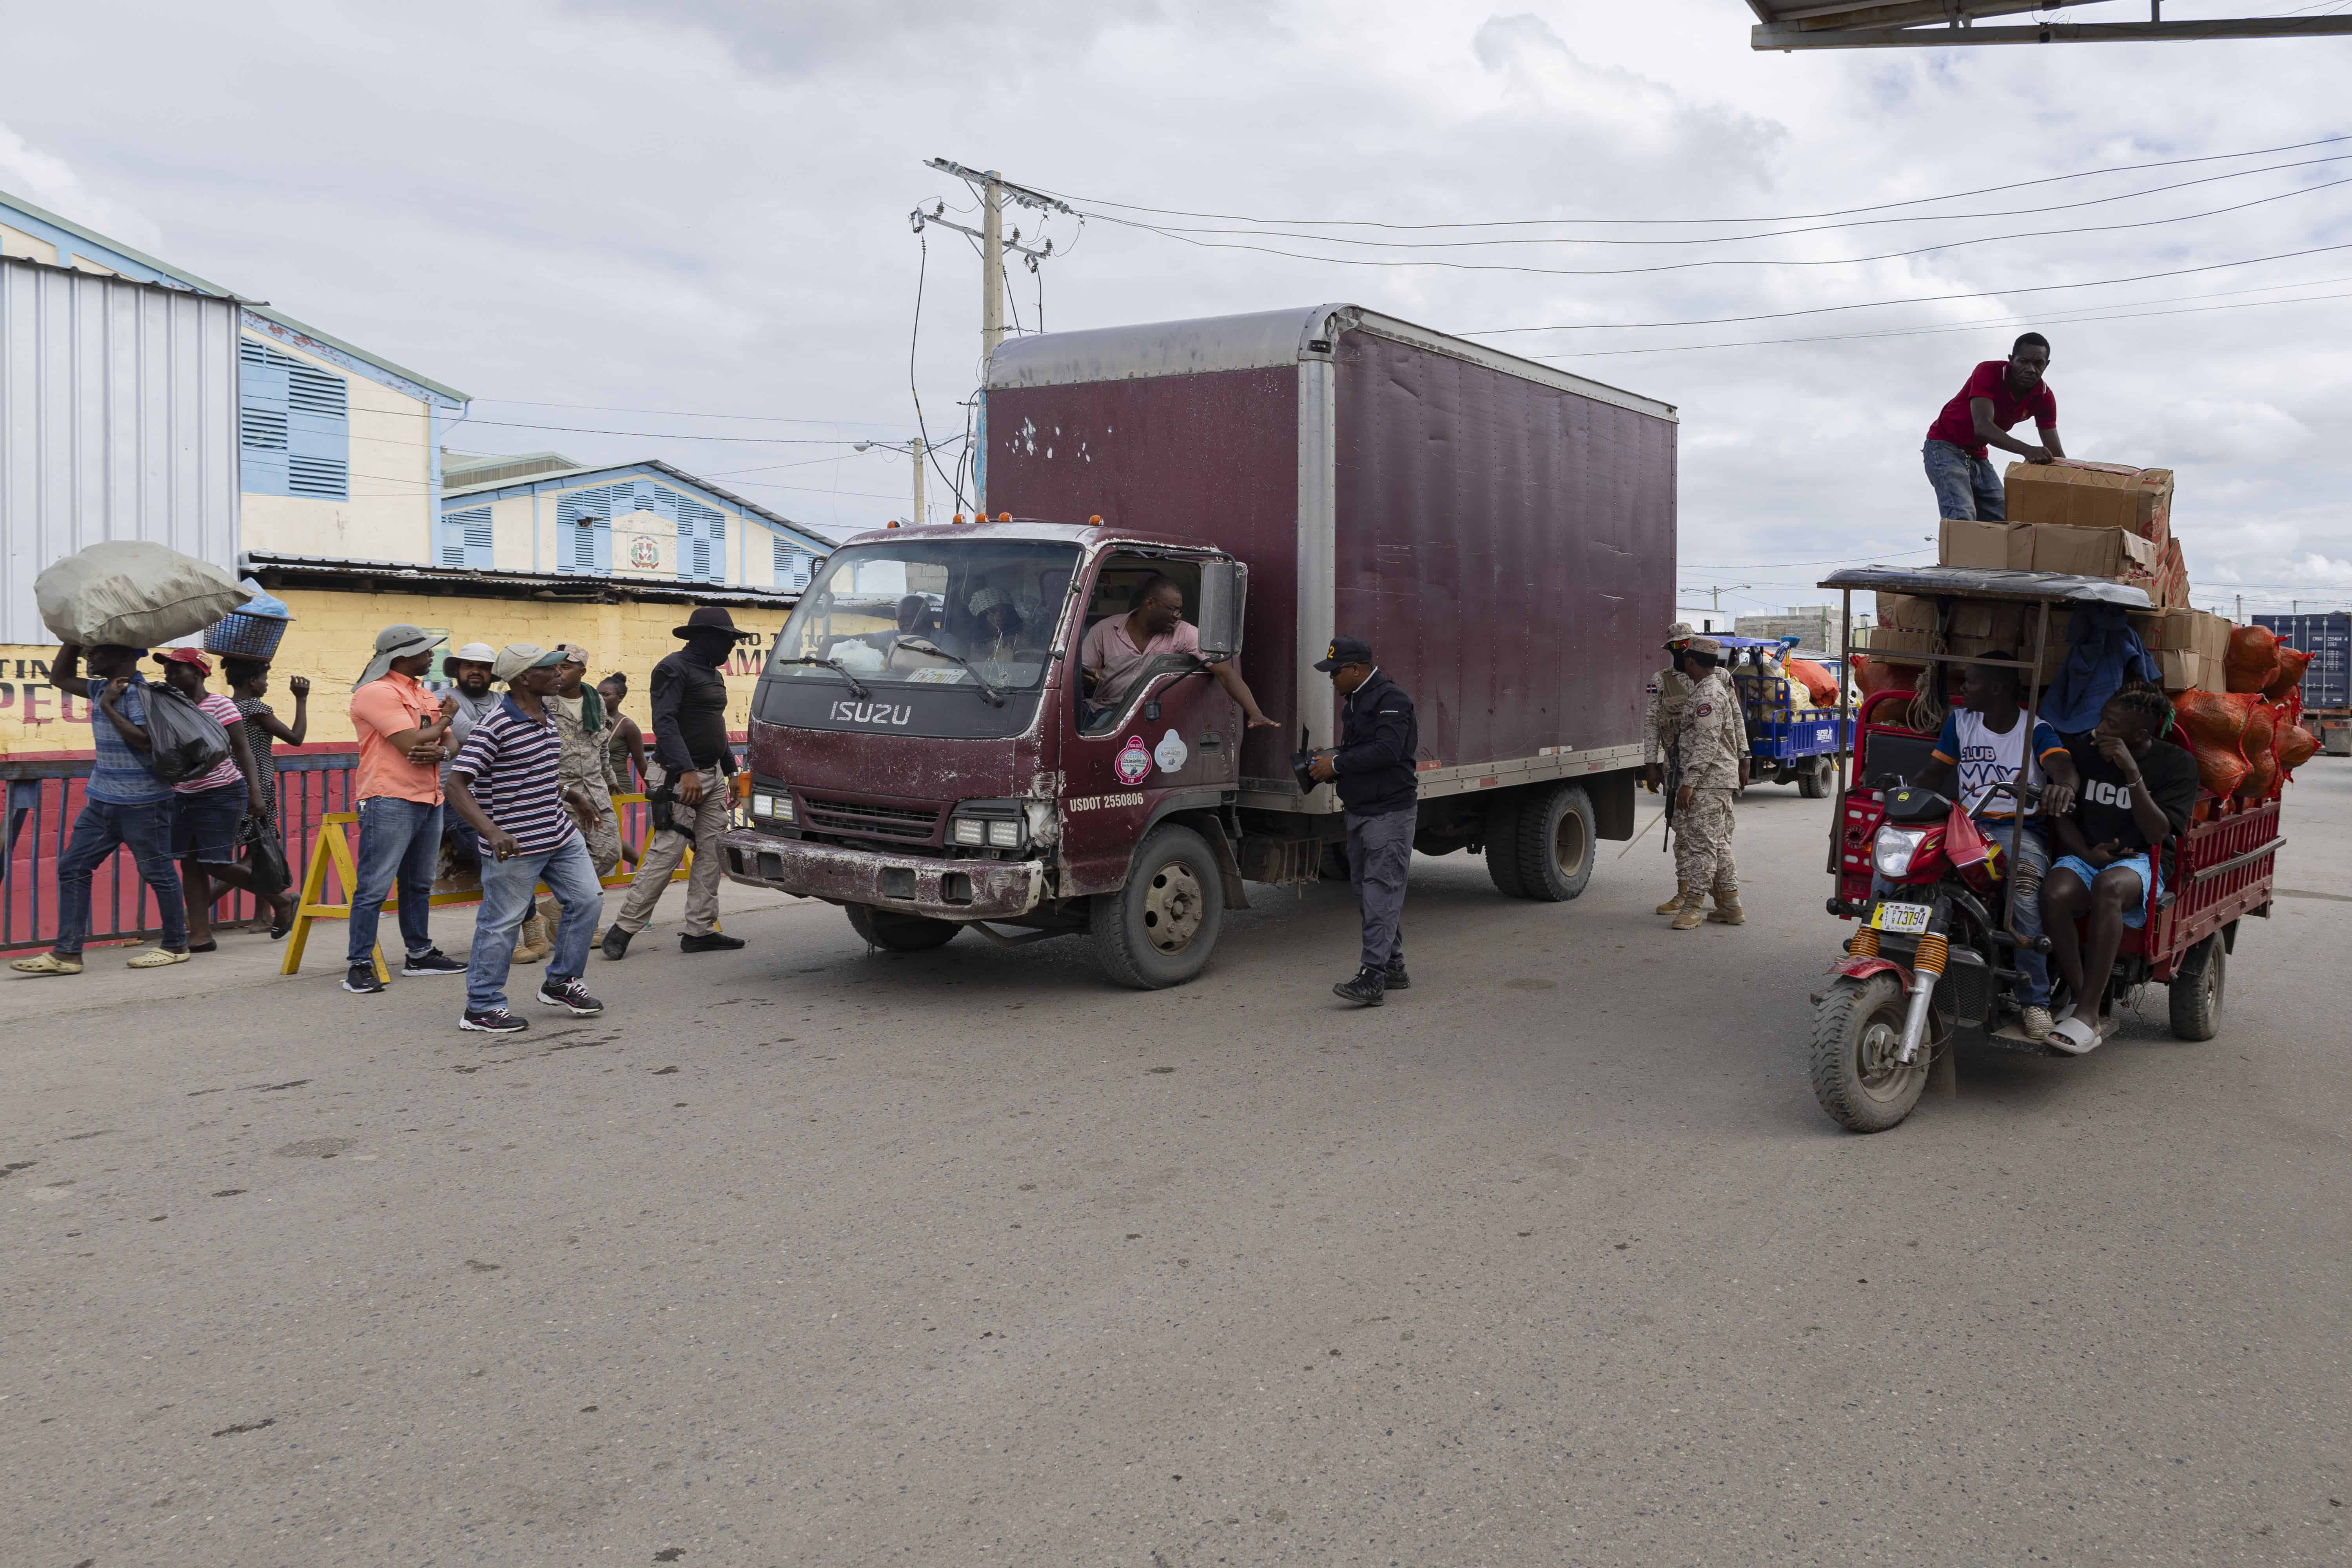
1990, 379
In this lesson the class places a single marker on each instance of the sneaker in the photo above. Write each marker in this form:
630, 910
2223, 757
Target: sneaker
360, 980
432, 961
1367, 987
717, 942
616, 943
2036, 1022
498, 1021
572, 996
1395, 978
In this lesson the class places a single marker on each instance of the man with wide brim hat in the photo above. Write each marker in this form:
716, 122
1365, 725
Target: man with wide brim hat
691, 771
404, 735
1667, 690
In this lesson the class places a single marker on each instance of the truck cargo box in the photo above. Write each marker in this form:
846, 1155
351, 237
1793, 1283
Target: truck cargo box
1503, 533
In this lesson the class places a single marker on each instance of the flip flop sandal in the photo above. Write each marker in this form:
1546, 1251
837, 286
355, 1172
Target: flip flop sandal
2073, 1036
46, 964
159, 959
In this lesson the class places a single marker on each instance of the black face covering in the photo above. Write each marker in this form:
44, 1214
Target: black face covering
711, 648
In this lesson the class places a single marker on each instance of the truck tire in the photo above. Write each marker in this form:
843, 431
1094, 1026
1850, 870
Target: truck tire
1160, 929
1502, 844
1552, 844
1857, 1027
2197, 989
900, 932
1817, 779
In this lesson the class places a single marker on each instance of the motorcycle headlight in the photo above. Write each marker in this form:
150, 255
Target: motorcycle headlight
1892, 851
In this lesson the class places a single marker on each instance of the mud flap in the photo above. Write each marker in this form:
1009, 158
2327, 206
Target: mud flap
1228, 868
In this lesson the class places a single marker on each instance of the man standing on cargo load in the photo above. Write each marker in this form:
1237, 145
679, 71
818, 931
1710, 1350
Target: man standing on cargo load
1379, 739
1998, 394
1711, 756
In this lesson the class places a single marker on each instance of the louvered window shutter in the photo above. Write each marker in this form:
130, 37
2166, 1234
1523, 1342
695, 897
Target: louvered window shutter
701, 543
261, 419
466, 538
317, 435
792, 564
584, 520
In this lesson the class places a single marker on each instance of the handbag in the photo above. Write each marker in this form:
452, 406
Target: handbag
264, 857
184, 741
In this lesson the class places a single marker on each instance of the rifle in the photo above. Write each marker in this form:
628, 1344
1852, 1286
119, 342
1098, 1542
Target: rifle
1674, 788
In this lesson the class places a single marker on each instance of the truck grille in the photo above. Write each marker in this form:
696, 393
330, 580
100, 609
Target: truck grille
866, 819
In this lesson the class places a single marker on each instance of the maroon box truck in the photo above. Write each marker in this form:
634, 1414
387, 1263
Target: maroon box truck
926, 749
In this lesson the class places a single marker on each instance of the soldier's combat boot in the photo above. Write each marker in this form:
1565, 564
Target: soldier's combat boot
1691, 913
1726, 910
1671, 905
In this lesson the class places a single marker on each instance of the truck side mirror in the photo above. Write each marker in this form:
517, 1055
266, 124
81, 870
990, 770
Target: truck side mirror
1224, 586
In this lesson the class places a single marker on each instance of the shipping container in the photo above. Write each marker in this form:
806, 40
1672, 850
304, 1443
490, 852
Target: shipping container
2327, 679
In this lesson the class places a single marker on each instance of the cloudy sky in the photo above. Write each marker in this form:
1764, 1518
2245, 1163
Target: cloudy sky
614, 221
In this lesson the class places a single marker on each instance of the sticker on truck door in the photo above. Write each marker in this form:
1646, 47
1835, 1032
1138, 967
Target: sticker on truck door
1134, 761
1171, 754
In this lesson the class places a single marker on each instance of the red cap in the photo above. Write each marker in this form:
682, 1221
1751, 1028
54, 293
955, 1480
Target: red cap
185, 655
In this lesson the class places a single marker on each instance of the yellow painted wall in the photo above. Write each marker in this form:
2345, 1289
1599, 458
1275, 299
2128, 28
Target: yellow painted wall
334, 635
390, 514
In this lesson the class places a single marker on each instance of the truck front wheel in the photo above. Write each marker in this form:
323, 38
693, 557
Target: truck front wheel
1550, 844
900, 932
1160, 929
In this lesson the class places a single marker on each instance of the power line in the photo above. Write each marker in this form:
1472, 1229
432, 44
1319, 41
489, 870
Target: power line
1916, 299
1714, 261
1934, 331
677, 413
1786, 217
1768, 233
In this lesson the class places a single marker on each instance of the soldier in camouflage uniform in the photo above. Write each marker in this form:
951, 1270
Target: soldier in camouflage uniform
1668, 688
1710, 749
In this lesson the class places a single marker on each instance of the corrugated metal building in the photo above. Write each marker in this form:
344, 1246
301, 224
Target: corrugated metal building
118, 420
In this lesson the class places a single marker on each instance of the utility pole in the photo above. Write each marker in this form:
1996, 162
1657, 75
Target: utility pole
922, 514
995, 191
1720, 590
992, 264
2241, 609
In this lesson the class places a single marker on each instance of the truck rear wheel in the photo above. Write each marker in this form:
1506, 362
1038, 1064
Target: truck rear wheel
1160, 929
900, 932
1817, 778
1503, 844
1550, 844
2196, 990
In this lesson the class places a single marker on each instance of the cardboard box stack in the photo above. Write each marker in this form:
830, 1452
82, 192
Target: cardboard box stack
2087, 520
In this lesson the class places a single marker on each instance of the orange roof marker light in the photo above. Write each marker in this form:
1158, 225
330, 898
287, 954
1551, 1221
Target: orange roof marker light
1095, 522
892, 523
1004, 517
959, 517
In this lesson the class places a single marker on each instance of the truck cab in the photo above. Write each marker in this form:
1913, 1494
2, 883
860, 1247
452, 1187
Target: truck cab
928, 752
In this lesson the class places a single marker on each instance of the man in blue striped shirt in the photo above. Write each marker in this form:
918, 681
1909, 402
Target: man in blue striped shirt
504, 784
124, 804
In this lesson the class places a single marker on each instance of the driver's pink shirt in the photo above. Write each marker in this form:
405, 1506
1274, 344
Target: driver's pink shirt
1109, 650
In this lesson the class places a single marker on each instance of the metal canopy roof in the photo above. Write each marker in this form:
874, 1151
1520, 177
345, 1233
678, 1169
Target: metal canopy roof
1946, 24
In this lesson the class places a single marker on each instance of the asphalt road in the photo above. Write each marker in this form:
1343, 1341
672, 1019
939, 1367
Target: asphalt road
806, 1256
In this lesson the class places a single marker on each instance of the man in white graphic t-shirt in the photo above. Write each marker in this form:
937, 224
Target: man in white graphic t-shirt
1984, 744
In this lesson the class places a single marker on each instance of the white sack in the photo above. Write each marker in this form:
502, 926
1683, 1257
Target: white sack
133, 593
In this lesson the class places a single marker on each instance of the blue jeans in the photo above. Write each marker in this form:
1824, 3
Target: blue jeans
507, 887
102, 826
397, 838
2027, 869
1967, 487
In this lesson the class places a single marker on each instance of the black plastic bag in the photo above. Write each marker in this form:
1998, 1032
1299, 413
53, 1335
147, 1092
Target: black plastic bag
264, 857
185, 742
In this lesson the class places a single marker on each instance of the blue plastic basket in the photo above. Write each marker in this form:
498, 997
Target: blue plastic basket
243, 635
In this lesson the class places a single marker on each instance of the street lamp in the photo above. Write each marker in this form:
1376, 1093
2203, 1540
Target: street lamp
914, 447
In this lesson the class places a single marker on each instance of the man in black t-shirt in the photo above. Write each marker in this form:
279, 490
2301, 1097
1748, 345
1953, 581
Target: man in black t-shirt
2138, 791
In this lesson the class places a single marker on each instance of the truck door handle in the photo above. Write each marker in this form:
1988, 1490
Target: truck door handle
1211, 742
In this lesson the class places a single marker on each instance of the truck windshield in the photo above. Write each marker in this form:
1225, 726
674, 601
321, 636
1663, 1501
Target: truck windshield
879, 612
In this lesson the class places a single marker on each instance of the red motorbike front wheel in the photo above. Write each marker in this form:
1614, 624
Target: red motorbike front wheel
1857, 1034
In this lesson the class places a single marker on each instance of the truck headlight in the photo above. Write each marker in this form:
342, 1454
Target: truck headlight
970, 830
776, 808
1004, 834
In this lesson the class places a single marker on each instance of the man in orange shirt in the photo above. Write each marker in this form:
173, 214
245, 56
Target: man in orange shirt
404, 731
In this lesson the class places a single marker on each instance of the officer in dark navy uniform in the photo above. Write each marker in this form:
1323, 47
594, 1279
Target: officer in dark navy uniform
1373, 767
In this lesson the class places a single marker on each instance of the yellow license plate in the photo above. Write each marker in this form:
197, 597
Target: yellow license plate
1904, 920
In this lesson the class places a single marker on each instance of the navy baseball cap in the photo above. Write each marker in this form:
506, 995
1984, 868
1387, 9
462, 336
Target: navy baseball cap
1344, 650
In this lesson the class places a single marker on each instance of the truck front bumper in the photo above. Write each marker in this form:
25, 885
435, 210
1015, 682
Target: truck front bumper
916, 884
